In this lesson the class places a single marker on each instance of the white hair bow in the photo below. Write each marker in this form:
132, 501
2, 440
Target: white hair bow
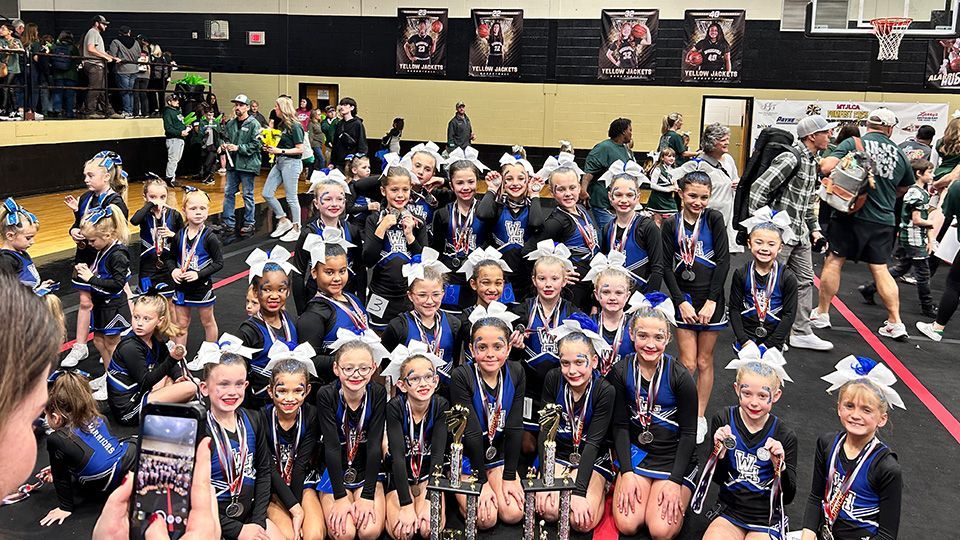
495, 310
853, 368
323, 175
765, 214
211, 352
303, 353
772, 358
584, 325
278, 256
429, 148
316, 245
654, 300
618, 168
469, 154
547, 248
956, 113
508, 159
402, 352
616, 260
565, 159
477, 256
429, 258
368, 336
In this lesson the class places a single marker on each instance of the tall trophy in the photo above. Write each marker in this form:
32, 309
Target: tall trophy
549, 423
437, 486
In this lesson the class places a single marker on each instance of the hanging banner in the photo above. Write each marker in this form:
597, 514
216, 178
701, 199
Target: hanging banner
627, 45
495, 49
943, 64
714, 45
785, 114
422, 42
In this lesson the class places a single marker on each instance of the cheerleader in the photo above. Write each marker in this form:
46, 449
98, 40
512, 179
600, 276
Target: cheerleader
569, 223
390, 239
356, 166
663, 197
106, 186
84, 455
292, 438
857, 484
755, 454
699, 259
587, 407
416, 438
492, 389
269, 276
143, 370
654, 431
457, 231
486, 271
351, 411
512, 210
158, 222
329, 198
763, 293
240, 465
611, 288
630, 233
195, 256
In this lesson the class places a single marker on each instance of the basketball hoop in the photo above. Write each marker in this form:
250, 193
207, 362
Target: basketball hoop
890, 31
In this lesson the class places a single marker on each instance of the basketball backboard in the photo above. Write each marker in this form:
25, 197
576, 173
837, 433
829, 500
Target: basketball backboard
931, 18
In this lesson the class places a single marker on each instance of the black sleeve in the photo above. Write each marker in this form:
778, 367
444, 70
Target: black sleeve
488, 209
788, 477
419, 239
621, 416
686, 392
456, 326
648, 235
277, 485
312, 328
368, 187
736, 306
537, 215
397, 446
118, 266
886, 480
374, 440
513, 428
326, 411
141, 215
788, 310
441, 224
129, 356
461, 393
10, 264
301, 464
596, 433
64, 455
353, 208
395, 333
721, 254
215, 249
720, 419
301, 261
438, 442
813, 515
552, 230
262, 464
372, 244
362, 149
668, 231
251, 335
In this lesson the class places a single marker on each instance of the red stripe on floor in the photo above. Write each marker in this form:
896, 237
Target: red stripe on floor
905, 375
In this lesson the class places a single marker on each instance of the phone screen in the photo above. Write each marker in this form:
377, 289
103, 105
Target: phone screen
162, 485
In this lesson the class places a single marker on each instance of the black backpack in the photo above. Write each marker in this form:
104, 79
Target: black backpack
771, 143
62, 62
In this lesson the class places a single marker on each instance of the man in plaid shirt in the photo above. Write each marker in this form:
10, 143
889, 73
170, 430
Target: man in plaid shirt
797, 181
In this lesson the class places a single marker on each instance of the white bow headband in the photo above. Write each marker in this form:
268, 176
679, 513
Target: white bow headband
655, 300
771, 358
402, 352
469, 154
429, 258
477, 256
259, 259
600, 263
571, 326
316, 244
508, 159
303, 353
332, 175
854, 368
368, 336
618, 168
565, 159
495, 310
547, 248
766, 215
210, 352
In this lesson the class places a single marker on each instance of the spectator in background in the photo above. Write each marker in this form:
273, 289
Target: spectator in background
391, 141
615, 147
329, 126
241, 141
212, 104
948, 151
95, 66
921, 146
317, 140
19, 28
63, 73
255, 113
10, 53
32, 45
303, 112
459, 130
127, 49
141, 85
43, 66
670, 137
350, 137
157, 80
175, 131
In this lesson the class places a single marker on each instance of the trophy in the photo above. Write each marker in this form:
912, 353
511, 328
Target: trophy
437, 486
549, 423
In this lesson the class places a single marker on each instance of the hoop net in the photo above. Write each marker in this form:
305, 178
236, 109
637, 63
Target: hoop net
890, 31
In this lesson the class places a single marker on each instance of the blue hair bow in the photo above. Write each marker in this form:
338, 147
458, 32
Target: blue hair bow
109, 158
97, 215
863, 365
14, 211
149, 288
54, 375
585, 321
190, 189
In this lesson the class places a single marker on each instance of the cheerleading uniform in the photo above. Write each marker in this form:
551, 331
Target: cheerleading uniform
711, 261
88, 203
640, 242
20, 264
620, 342
254, 494
136, 367
511, 226
448, 225
579, 233
291, 452
319, 323
428, 435
441, 340
110, 315
780, 314
258, 335
153, 249
206, 261
304, 286
92, 458
387, 255
368, 419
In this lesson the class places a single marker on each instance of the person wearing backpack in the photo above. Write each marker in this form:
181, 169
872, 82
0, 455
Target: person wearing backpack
63, 73
867, 234
789, 185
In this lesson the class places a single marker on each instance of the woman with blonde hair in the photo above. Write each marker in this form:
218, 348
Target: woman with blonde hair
286, 170
948, 149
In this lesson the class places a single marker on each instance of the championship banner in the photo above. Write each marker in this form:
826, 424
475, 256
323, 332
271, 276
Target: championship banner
495, 50
785, 114
943, 64
422, 42
714, 46
627, 44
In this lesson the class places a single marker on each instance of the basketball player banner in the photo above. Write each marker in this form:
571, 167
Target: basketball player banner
943, 64
714, 46
422, 41
627, 45
495, 50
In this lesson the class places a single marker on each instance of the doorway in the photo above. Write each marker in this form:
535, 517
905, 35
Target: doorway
321, 95
734, 113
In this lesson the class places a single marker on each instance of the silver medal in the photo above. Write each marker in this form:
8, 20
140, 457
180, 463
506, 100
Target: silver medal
646, 437
763, 454
761, 332
688, 275
575, 458
350, 476
234, 509
730, 443
491, 452
455, 262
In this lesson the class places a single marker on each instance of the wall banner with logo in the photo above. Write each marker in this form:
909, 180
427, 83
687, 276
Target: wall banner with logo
422, 41
495, 49
714, 48
628, 44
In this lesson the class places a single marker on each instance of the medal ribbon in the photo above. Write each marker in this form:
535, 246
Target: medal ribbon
546, 320
607, 359
286, 469
100, 255
353, 433
228, 466
621, 244
185, 255
433, 345
283, 324
646, 416
461, 231
763, 297
416, 451
493, 419
586, 230
776, 497
353, 310
688, 244
577, 421
832, 507
706, 478
157, 223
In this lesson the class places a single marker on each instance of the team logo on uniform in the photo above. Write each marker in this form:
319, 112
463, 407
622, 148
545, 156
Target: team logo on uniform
514, 232
747, 467
397, 241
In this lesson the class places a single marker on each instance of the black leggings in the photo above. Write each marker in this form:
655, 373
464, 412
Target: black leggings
951, 294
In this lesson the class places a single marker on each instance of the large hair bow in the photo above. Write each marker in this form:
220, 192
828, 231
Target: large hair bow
565, 159
618, 168
108, 158
477, 256
469, 154
258, 259
765, 214
771, 358
600, 263
316, 245
508, 159
429, 148
367, 336
303, 353
402, 352
14, 211
98, 214
655, 300
211, 352
395, 160
495, 310
580, 323
429, 258
853, 368
548, 248
328, 175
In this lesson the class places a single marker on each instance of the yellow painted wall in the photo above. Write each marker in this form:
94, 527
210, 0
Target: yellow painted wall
65, 131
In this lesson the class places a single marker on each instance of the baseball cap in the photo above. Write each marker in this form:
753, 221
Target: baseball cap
461, 104
241, 98
882, 117
329, 108
813, 124
100, 19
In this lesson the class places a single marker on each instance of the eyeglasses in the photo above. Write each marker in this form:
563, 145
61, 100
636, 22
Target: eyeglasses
414, 380
423, 297
363, 371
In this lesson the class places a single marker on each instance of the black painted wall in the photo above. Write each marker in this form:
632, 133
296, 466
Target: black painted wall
559, 50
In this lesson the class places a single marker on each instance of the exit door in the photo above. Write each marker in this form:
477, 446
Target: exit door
321, 95
735, 114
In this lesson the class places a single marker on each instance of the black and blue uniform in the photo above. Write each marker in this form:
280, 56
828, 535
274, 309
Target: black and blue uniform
206, 261
579, 233
254, 493
304, 286
431, 431
710, 266
320, 321
640, 242
407, 327
257, 334
91, 457
780, 314
387, 255
91, 202
136, 367
20, 264
149, 258
512, 225
452, 254
291, 452
619, 349
110, 315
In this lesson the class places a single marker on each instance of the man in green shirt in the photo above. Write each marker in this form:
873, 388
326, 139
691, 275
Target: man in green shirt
615, 147
868, 235
243, 147
329, 127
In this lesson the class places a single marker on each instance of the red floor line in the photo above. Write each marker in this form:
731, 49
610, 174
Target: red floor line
941, 413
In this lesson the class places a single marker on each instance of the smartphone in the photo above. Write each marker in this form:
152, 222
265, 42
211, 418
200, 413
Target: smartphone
169, 434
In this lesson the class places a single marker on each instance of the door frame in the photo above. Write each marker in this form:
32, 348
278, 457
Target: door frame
308, 90
747, 119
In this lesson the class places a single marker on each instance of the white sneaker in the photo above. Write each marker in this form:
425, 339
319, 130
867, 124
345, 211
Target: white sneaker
819, 320
282, 228
810, 341
78, 352
701, 430
100, 394
928, 330
99, 382
292, 235
894, 331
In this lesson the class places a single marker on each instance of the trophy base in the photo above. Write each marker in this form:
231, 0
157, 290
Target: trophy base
536, 485
443, 485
